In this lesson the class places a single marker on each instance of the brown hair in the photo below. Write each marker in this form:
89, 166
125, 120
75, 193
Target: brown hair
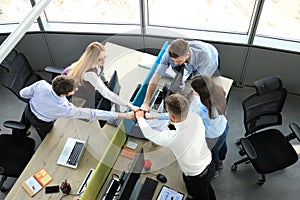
177, 105
178, 47
86, 61
210, 93
62, 85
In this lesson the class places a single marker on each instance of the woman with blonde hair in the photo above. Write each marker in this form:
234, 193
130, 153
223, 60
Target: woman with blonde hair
213, 98
88, 73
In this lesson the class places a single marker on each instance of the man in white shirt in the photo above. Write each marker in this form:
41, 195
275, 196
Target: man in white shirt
187, 143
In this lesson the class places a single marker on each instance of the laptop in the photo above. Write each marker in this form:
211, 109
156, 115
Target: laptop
72, 152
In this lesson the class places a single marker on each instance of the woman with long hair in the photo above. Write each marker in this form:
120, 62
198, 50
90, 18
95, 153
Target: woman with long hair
213, 98
88, 73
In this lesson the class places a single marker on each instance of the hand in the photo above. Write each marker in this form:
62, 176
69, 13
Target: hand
139, 114
132, 107
145, 107
150, 116
128, 115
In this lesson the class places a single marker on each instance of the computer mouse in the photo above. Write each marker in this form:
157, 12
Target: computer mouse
162, 178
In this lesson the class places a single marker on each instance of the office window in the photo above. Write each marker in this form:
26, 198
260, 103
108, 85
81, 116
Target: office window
280, 19
14, 11
94, 11
212, 15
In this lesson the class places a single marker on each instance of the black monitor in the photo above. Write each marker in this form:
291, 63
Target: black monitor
105, 104
130, 179
175, 85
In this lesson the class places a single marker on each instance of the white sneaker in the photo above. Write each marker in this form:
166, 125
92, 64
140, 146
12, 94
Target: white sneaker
216, 174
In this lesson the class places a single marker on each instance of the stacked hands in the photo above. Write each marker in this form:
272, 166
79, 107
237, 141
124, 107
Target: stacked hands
140, 113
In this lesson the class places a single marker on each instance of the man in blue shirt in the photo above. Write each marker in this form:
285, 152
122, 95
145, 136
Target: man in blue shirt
48, 103
195, 57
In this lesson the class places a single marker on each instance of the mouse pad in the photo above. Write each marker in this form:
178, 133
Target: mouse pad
167, 193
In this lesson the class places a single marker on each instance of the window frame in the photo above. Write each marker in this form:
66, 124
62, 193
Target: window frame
250, 39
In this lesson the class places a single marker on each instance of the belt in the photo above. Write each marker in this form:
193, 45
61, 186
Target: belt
203, 173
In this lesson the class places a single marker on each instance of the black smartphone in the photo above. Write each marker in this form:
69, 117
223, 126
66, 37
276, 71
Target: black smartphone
52, 189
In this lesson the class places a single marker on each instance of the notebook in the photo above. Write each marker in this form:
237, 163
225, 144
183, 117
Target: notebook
72, 152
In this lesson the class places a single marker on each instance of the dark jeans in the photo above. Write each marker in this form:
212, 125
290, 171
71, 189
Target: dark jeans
220, 149
42, 127
199, 186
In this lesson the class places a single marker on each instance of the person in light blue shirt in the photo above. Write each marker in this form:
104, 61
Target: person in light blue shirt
199, 58
196, 57
213, 98
48, 102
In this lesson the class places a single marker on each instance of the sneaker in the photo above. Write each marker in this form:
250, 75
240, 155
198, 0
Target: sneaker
216, 174
221, 165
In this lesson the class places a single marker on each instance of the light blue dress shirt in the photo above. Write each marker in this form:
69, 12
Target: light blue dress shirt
203, 60
48, 106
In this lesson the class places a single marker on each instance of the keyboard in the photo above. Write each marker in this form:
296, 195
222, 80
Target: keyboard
148, 189
73, 158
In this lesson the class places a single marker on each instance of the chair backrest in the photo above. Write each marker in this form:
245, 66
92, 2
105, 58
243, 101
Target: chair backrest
263, 109
18, 73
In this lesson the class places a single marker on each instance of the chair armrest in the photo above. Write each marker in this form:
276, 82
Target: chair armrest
296, 131
14, 125
55, 70
248, 148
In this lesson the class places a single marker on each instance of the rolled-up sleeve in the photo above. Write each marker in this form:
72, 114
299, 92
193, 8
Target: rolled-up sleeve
163, 65
27, 92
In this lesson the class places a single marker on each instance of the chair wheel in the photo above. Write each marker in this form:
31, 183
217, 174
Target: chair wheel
260, 182
233, 167
238, 141
242, 152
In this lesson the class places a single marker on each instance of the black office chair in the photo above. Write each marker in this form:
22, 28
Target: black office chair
18, 73
266, 148
15, 152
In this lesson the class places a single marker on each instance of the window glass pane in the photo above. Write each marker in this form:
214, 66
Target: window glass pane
14, 11
94, 11
280, 19
215, 15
